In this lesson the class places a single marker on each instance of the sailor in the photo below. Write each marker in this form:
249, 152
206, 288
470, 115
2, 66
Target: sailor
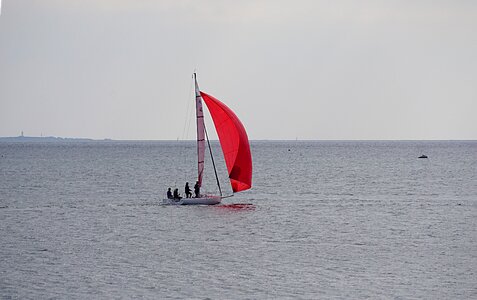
169, 193
176, 194
197, 189
188, 191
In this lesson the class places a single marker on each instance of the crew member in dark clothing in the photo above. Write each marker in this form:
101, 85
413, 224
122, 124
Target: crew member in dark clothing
169, 193
197, 189
188, 191
176, 194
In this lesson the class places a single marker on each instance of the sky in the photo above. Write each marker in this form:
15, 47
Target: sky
307, 70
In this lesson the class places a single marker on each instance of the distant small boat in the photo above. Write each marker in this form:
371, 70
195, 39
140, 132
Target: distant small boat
423, 156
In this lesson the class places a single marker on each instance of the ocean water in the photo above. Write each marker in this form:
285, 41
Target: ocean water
343, 220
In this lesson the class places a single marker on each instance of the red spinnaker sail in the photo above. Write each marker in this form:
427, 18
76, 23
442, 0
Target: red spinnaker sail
234, 142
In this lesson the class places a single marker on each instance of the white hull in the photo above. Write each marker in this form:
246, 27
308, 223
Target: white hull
204, 200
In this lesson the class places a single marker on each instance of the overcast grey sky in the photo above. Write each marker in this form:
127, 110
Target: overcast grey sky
122, 69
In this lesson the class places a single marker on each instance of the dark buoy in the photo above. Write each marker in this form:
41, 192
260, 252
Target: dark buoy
423, 156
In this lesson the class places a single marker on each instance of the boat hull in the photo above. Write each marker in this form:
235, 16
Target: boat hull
205, 200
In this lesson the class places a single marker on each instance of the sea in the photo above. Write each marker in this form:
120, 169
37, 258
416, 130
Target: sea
323, 220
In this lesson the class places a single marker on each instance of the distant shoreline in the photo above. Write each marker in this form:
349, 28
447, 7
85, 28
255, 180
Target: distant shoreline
46, 139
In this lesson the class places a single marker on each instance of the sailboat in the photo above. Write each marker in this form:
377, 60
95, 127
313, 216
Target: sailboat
233, 142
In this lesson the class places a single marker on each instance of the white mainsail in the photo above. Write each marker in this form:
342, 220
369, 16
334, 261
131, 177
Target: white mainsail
200, 131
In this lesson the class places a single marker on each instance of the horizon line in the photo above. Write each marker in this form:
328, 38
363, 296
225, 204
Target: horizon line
192, 140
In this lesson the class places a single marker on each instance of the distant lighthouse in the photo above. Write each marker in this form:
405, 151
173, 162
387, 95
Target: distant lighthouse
22, 134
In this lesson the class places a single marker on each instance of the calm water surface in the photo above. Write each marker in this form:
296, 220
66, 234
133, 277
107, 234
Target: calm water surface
326, 220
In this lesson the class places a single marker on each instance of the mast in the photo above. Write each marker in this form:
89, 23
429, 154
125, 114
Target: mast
200, 132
